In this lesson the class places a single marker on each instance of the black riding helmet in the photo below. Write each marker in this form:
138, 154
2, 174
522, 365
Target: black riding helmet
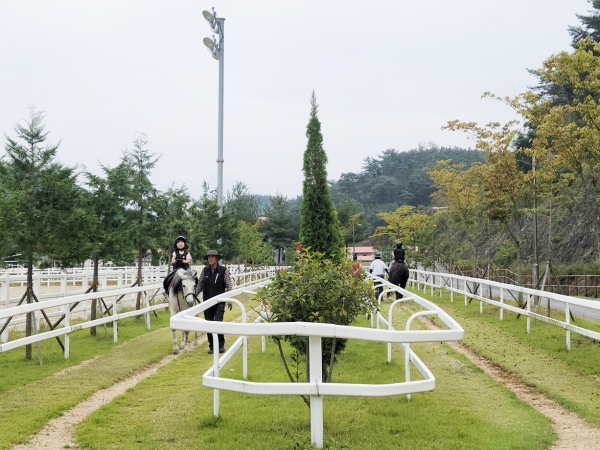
181, 239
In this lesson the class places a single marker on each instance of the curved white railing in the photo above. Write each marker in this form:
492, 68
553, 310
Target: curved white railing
475, 288
316, 389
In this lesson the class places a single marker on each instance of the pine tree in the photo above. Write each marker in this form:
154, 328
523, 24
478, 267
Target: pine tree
319, 226
279, 229
143, 202
590, 25
49, 221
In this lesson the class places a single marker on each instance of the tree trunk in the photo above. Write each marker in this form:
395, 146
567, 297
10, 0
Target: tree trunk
29, 318
94, 289
139, 279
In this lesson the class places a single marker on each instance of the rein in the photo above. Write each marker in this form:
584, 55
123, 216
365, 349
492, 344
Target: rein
194, 296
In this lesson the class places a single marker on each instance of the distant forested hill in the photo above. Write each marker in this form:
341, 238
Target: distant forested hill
395, 178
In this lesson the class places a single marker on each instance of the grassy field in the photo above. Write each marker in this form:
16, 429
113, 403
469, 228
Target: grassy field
539, 358
172, 410
31, 394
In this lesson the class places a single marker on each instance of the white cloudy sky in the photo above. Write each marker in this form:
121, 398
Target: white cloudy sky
387, 74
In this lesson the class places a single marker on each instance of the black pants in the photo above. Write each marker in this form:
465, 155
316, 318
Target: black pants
380, 288
215, 313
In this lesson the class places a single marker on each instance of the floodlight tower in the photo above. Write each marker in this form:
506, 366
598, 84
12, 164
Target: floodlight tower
217, 50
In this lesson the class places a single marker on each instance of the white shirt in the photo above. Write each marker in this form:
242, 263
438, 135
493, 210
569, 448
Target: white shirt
378, 267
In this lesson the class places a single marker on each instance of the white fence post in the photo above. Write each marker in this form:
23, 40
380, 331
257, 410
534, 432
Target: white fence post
115, 336
37, 316
528, 310
147, 305
63, 285
568, 320
502, 302
68, 335
316, 401
6, 298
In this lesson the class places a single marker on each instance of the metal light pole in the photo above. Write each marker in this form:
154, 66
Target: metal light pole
217, 49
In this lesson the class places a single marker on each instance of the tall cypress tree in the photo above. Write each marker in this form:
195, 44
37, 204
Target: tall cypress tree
319, 225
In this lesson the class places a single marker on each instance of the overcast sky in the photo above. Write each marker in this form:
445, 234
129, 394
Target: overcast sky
387, 74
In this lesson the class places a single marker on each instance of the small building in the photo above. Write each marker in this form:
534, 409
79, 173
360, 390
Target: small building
365, 254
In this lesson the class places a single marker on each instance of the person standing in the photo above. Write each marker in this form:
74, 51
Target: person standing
215, 279
379, 269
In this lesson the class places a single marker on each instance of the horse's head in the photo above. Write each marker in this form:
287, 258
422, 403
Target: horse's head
188, 280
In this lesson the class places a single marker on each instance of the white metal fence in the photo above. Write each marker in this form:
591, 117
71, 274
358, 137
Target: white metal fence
68, 306
503, 296
316, 389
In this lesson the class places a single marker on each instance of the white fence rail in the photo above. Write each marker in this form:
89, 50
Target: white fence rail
497, 294
64, 307
77, 305
316, 389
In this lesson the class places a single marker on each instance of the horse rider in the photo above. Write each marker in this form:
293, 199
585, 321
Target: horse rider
399, 253
215, 279
180, 259
379, 267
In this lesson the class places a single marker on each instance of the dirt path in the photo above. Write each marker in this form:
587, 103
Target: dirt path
58, 433
573, 432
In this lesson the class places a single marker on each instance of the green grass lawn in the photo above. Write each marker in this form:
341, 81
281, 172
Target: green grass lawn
172, 410
31, 394
539, 358
16, 371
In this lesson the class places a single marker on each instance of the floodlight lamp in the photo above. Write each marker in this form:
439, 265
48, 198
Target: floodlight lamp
212, 21
209, 43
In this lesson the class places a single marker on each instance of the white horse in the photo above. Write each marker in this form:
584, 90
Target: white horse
181, 295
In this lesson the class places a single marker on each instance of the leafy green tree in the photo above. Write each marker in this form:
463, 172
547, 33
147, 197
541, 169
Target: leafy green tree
252, 249
48, 219
316, 290
211, 231
242, 204
174, 215
280, 228
319, 226
110, 234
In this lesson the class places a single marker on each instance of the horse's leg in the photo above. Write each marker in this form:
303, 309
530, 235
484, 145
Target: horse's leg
175, 348
184, 340
195, 343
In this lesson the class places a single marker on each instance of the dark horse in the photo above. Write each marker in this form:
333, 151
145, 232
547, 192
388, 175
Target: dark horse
399, 274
